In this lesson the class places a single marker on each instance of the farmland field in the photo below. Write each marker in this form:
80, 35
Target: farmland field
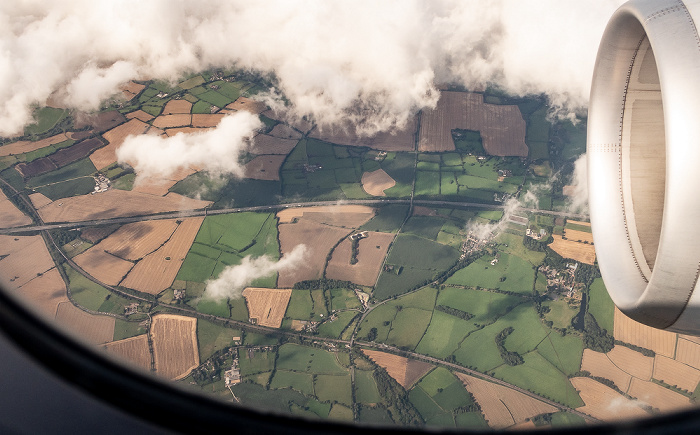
604, 403
174, 345
510, 273
371, 252
660, 341
87, 327
45, 293
267, 306
405, 371
10, 215
584, 253
134, 351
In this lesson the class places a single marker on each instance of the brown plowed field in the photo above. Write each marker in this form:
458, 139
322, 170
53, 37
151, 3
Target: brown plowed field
318, 238
578, 236
95, 234
283, 131
131, 89
132, 350
629, 331
402, 140
371, 253
503, 407
676, 373
157, 271
45, 292
26, 257
106, 267
25, 146
136, 240
11, 216
404, 371
376, 182
187, 130
502, 127
177, 106
688, 353
350, 216
267, 305
76, 152
115, 203
247, 104
264, 167
202, 120
102, 121
598, 364
89, 327
39, 200
36, 167
174, 345
140, 115
105, 156
604, 403
585, 253
632, 362
658, 396
169, 121
264, 144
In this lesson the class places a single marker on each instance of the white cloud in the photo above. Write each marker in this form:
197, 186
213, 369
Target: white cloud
578, 202
233, 279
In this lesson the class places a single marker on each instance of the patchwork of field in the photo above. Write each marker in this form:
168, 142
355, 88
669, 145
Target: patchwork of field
140, 115
115, 203
585, 253
25, 146
401, 140
267, 306
88, 327
604, 403
284, 131
11, 216
502, 127
660, 341
170, 121
501, 406
676, 373
39, 200
132, 350
105, 156
371, 252
657, 396
632, 362
578, 236
598, 364
688, 352
45, 292
105, 267
177, 106
247, 104
264, 167
25, 258
131, 89
405, 371
160, 186
136, 240
157, 270
175, 349
376, 182
268, 144
206, 120
349, 216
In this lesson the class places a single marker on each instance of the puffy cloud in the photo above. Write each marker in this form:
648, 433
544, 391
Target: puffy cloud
233, 279
372, 63
578, 202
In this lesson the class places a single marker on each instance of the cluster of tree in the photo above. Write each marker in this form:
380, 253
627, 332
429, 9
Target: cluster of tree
61, 237
15, 199
595, 337
586, 273
542, 419
605, 381
552, 259
372, 334
454, 312
535, 245
323, 284
355, 250
643, 350
396, 395
509, 357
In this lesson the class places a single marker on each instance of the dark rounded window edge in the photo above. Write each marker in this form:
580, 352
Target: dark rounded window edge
154, 401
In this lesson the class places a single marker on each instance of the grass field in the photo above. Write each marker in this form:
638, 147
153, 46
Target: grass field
335, 328
418, 303
601, 306
330, 388
561, 313
301, 382
81, 168
444, 334
45, 119
511, 274
366, 388
299, 358
388, 219
211, 337
485, 306
424, 226
564, 352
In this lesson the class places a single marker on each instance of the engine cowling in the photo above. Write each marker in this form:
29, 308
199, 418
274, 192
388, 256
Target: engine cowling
644, 162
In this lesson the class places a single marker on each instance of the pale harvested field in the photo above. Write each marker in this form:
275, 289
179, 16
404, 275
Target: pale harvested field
131, 89
604, 403
632, 362
690, 338
574, 250
318, 238
157, 271
174, 345
187, 130
169, 121
160, 186
687, 353
658, 396
39, 200
264, 167
371, 253
140, 115
585, 224
132, 350
115, 203
419, 210
503, 407
283, 131
134, 241
95, 234
267, 305
402, 140
264, 144
89, 327
676, 373
502, 127
247, 104
177, 106
105, 156
376, 182
660, 341
598, 364
45, 292
11, 216
350, 216
104, 266
25, 146
575, 235
206, 120
404, 371
26, 257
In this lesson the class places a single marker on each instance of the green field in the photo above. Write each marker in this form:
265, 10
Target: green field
444, 334
301, 382
424, 226
45, 119
564, 352
299, 358
334, 388
211, 337
335, 328
511, 274
65, 189
124, 329
560, 313
388, 219
418, 303
438, 395
81, 168
601, 306
366, 388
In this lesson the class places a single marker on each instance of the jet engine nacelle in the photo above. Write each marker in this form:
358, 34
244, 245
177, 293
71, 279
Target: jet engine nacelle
644, 162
